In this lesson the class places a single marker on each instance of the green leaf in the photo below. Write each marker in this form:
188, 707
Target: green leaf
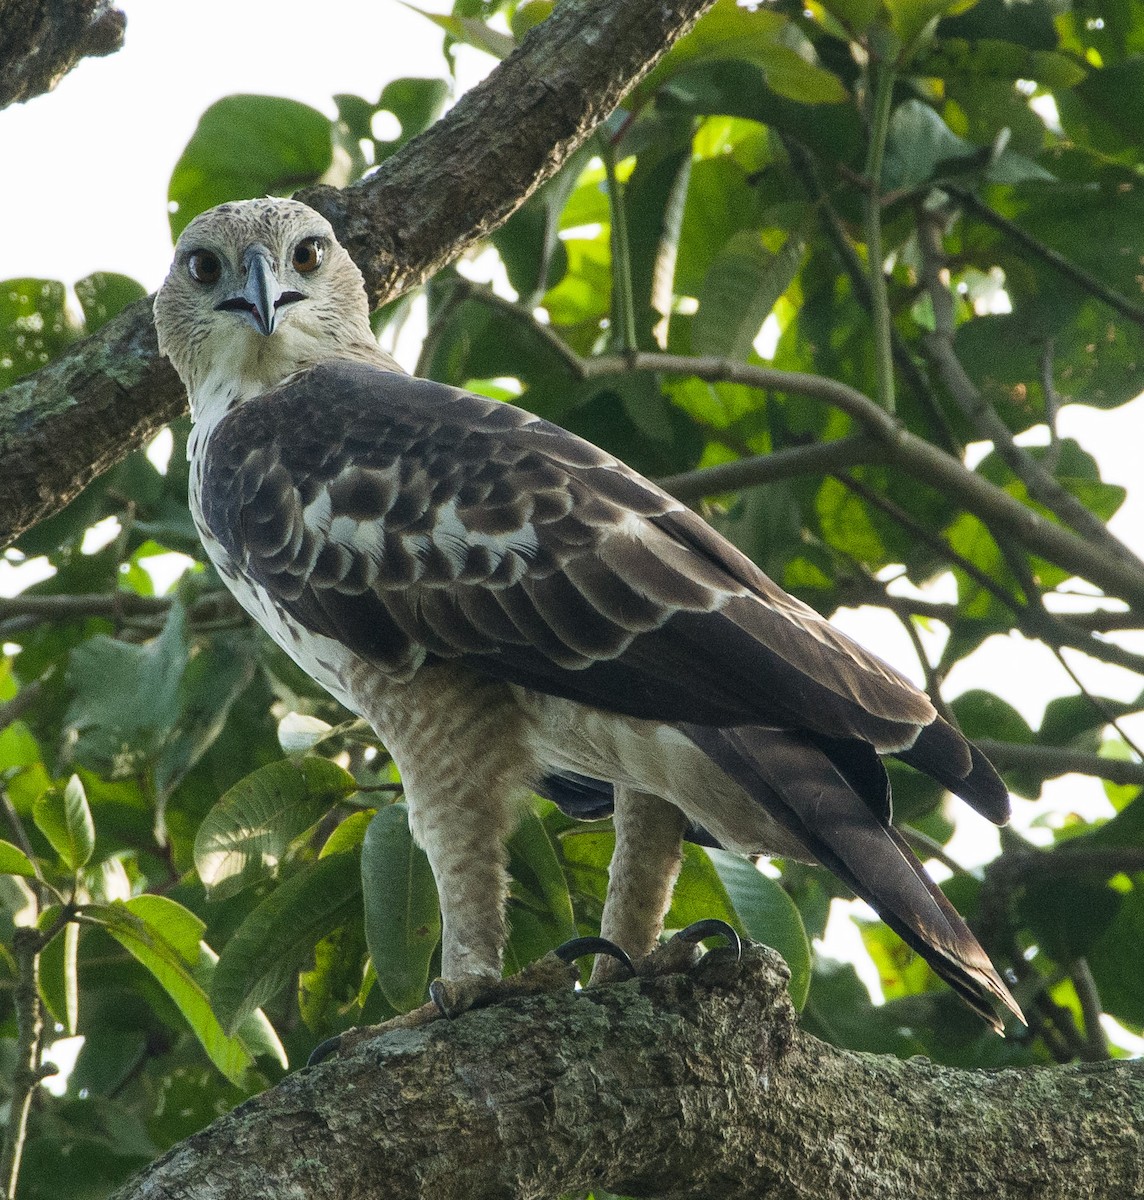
244, 838
248, 146
538, 880
267, 949
13, 861
838, 1009
402, 916
1118, 972
104, 295
743, 285
471, 32
853, 15
1116, 94
762, 37
157, 932
918, 142
125, 701
331, 988
846, 523
587, 853
34, 327
416, 103
1066, 921
64, 818
768, 915
911, 19
213, 680
59, 979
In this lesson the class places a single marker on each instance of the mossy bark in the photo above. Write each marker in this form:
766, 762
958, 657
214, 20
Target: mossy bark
43, 40
693, 1085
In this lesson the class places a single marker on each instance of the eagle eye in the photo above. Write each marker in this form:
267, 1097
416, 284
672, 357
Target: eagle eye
308, 255
204, 266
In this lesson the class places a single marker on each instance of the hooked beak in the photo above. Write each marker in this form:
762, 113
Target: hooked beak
262, 296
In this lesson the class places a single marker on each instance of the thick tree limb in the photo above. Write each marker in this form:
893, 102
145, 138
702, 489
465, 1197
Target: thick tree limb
43, 41
467, 174
682, 1086
109, 394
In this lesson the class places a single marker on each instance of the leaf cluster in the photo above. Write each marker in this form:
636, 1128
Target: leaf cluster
216, 859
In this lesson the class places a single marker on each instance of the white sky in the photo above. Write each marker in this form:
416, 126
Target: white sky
86, 170
92, 159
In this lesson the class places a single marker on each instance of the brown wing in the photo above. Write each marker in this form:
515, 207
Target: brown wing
409, 520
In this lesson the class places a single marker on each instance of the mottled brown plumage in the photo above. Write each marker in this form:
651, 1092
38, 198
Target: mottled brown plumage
513, 608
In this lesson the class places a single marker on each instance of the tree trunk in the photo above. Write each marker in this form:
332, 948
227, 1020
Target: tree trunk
696, 1085
43, 41
445, 190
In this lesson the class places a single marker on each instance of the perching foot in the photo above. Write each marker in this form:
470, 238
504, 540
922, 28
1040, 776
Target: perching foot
577, 947
548, 974
684, 950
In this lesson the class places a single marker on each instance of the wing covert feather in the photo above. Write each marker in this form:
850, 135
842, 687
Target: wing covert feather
408, 519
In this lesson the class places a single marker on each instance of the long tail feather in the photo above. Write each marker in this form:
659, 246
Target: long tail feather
800, 787
941, 752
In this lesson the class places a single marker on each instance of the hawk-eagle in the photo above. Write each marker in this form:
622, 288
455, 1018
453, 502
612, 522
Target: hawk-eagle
513, 609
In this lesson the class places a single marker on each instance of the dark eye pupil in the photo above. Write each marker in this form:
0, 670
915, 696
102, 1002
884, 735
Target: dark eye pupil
204, 266
308, 256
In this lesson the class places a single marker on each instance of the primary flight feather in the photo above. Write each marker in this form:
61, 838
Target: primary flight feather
513, 609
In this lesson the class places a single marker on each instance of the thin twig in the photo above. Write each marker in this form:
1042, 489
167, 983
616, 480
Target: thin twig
623, 306
909, 371
926, 847
934, 540
1047, 627
1058, 262
26, 946
1052, 454
1097, 702
1050, 762
1091, 1008
883, 75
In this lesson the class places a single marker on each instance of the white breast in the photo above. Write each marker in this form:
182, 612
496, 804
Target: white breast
326, 661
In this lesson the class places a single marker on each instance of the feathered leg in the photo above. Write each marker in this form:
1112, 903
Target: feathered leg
645, 866
457, 740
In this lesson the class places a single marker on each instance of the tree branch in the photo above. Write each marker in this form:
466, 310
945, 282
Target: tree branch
679, 1086
44, 41
818, 458
913, 454
1051, 762
444, 191
465, 176
1085, 279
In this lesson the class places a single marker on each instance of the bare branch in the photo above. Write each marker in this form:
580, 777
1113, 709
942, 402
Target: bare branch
1050, 762
469, 172
816, 459
690, 1085
913, 454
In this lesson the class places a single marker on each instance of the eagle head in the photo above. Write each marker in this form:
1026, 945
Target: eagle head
258, 290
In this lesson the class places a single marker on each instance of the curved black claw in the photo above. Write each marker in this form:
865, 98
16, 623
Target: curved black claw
577, 947
712, 927
446, 1005
323, 1050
